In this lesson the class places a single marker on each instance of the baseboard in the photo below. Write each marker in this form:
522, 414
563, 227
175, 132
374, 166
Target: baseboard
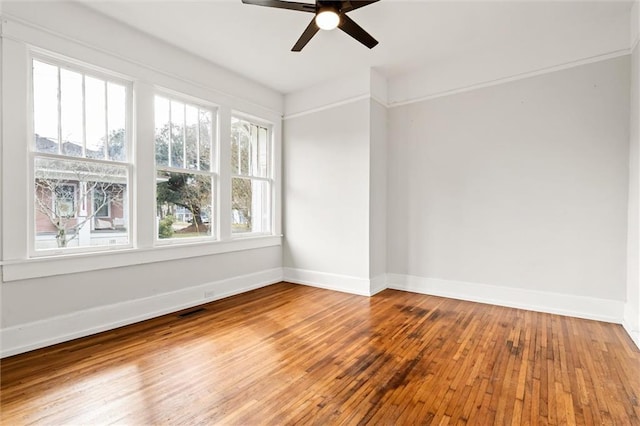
633, 334
30, 336
38, 334
540, 301
336, 282
631, 323
377, 284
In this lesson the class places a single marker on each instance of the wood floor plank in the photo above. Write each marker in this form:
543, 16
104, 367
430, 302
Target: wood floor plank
289, 354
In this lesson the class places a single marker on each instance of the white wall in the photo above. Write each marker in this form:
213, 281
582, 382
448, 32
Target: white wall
520, 186
632, 306
27, 301
518, 189
326, 182
583, 31
378, 191
44, 301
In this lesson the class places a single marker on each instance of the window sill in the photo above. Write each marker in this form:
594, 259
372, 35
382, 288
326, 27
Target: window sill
83, 262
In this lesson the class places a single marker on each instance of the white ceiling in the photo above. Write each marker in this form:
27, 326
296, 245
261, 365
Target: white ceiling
416, 37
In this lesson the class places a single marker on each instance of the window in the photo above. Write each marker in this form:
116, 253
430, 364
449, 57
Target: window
251, 181
185, 169
101, 203
80, 158
64, 200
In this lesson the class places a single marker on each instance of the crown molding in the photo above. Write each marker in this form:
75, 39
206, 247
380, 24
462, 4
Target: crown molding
515, 77
480, 85
24, 31
329, 106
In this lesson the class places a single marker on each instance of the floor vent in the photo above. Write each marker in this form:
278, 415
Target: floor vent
191, 313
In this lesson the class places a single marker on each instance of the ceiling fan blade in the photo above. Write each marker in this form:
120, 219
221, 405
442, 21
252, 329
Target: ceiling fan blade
348, 5
308, 33
291, 5
354, 30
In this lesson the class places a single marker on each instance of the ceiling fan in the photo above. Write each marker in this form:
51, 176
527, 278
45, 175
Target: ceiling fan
329, 14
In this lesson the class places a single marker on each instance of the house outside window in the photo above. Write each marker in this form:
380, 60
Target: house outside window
80, 160
101, 203
251, 178
186, 170
64, 200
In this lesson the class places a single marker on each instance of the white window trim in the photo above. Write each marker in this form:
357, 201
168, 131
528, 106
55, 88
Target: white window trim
107, 205
46, 266
21, 40
56, 60
213, 173
271, 167
54, 198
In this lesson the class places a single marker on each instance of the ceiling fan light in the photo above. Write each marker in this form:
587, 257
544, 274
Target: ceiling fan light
327, 19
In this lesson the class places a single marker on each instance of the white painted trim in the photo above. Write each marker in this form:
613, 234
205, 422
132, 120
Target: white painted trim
540, 301
379, 100
631, 322
516, 77
38, 334
329, 281
20, 27
327, 106
481, 85
634, 24
335, 105
377, 284
14, 270
633, 334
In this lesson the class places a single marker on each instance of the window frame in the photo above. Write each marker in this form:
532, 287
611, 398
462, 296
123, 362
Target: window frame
269, 179
107, 204
18, 260
107, 76
214, 166
74, 200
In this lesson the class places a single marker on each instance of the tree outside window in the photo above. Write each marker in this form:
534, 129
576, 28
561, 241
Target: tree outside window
185, 175
251, 180
79, 157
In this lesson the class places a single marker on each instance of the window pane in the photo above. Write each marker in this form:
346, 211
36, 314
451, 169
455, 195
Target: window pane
240, 145
162, 131
116, 119
80, 204
71, 109
45, 107
263, 153
95, 117
235, 146
250, 204
205, 140
177, 136
191, 143
243, 148
253, 150
184, 205
101, 201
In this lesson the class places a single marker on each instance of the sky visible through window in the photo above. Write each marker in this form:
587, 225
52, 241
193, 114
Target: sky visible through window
89, 109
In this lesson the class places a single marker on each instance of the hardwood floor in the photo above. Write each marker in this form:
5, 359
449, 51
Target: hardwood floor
289, 354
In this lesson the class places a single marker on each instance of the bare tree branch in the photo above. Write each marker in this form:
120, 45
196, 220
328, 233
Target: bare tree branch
94, 189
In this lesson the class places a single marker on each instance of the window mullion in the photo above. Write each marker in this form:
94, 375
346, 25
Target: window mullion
252, 209
184, 136
59, 112
170, 140
188, 176
105, 149
198, 143
84, 118
60, 169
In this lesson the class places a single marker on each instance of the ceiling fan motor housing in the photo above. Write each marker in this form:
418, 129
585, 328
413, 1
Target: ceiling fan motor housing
329, 14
